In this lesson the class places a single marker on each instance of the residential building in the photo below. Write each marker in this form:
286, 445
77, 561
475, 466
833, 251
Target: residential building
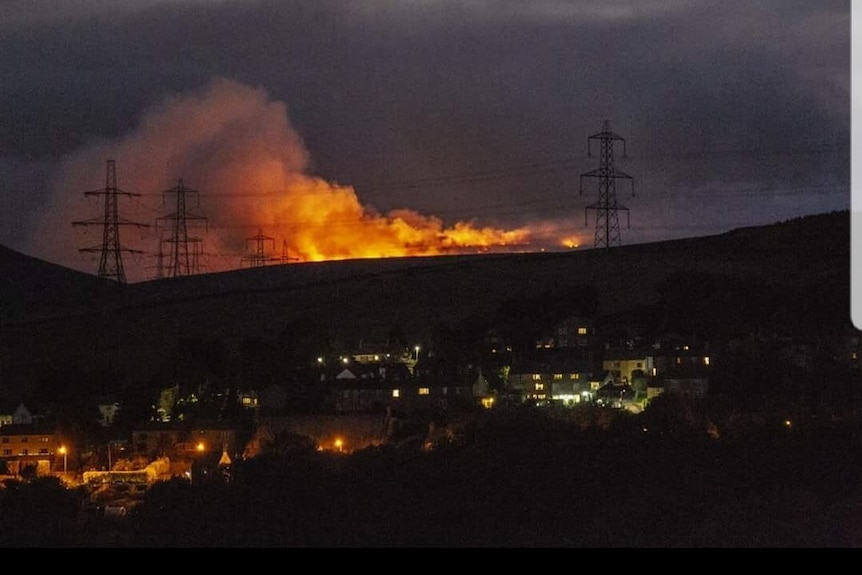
186, 440
30, 447
16, 413
626, 364
559, 376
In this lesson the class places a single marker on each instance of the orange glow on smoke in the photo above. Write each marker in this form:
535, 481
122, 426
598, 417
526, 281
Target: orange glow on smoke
237, 147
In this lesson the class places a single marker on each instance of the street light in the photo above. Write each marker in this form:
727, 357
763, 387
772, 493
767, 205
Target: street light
417, 352
64, 451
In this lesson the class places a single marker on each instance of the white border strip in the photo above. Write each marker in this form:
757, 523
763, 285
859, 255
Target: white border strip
855, 167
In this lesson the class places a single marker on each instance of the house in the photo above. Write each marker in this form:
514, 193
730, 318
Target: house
385, 352
380, 386
185, 442
626, 364
616, 395
15, 413
561, 376
572, 332
248, 399
681, 368
365, 386
27, 447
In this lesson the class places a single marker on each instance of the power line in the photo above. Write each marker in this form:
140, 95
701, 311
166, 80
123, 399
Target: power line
547, 167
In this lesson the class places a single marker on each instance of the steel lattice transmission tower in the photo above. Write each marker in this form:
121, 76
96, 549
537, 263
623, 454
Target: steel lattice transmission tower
111, 262
259, 257
607, 208
183, 262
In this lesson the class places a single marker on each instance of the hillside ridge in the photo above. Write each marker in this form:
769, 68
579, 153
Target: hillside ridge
93, 322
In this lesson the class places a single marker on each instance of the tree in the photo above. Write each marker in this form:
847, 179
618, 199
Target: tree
40, 512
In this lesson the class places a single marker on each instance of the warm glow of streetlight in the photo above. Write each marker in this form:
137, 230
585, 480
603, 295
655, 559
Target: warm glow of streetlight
200, 446
63, 450
339, 444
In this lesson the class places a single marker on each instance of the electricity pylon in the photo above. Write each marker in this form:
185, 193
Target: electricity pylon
259, 257
607, 208
182, 261
111, 261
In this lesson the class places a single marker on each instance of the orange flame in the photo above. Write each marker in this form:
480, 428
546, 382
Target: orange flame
238, 147
322, 221
571, 242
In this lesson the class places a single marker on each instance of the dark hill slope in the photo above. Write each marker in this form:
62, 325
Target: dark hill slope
362, 300
31, 288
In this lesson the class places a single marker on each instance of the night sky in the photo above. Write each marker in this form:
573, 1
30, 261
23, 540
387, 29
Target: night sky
341, 129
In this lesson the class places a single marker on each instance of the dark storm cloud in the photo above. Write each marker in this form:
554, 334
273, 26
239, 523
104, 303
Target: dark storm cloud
735, 113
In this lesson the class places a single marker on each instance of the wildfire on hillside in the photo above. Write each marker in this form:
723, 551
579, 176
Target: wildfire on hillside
320, 221
249, 169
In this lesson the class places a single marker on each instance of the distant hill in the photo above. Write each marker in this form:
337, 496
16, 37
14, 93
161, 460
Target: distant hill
52, 315
31, 288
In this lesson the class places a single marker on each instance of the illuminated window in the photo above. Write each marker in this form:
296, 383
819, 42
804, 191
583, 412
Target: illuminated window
558, 376
424, 391
706, 360
582, 331
540, 386
43, 439
574, 376
537, 377
396, 393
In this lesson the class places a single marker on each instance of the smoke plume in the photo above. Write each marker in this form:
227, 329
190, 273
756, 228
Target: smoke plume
247, 167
